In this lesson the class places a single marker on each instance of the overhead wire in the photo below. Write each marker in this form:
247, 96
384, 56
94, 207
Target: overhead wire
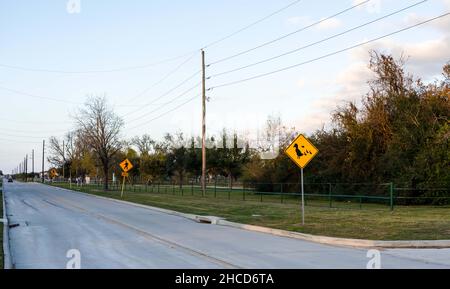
252, 24
288, 34
327, 55
167, 112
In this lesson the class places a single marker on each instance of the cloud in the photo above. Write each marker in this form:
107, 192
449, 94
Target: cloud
442, 24
373, 6
424, 59
331, 23
301, 83
299, 20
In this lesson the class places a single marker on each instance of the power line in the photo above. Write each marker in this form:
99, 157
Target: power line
37, 96
167, 112
22, 136
171, 101
164, 94
289, 34
16, 141
45, 70
329, 54
140, 105
320, 41
252, 24
32, 131
33, 122
177, 68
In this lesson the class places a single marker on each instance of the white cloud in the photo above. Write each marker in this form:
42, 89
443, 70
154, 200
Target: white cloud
373, 6
299, 20
301, 83
331, 23
442, 24
424, 59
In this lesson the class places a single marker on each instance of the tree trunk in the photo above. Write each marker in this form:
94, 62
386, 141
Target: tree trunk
105, 180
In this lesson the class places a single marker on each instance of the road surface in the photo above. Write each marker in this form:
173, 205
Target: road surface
47, 222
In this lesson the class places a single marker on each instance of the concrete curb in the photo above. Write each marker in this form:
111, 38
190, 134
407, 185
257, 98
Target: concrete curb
7, 259
358, 243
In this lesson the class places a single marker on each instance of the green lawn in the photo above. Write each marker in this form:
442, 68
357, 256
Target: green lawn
344, 219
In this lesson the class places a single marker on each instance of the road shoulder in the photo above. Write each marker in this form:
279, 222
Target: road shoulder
7, 261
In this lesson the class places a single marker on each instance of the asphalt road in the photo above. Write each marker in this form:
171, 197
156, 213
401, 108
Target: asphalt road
48, 222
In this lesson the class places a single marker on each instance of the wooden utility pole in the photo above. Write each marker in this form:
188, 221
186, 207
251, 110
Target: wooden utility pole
43, 153
203, 124
32, 162
64, 162
26, 168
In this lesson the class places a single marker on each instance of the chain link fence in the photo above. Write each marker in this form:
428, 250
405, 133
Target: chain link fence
331, 195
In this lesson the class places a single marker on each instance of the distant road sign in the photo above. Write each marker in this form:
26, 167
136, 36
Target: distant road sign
53, 173
301, 151
125, 175
126, 165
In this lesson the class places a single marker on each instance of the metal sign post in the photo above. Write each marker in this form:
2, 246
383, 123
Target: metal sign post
303, 198
123, 184
126, 166
301, 151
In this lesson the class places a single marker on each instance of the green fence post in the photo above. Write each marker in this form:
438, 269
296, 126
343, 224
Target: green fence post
329, 194
282, 194
215, 188
391, 193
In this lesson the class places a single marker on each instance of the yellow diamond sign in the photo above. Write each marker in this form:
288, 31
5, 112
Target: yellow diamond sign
126, 165
301, 151
53, 173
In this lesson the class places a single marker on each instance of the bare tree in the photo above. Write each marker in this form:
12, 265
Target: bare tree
144, 144
61, 151
99, 130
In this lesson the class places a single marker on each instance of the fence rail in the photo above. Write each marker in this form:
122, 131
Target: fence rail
332, 195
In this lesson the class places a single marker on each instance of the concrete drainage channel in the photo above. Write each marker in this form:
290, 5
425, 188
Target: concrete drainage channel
208, 220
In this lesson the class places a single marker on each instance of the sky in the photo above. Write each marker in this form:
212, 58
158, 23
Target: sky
143, 56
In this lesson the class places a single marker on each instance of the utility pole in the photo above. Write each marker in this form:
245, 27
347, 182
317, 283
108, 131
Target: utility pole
32, 162
43, 152
64, 162
203, 124
26, 167
71, 160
